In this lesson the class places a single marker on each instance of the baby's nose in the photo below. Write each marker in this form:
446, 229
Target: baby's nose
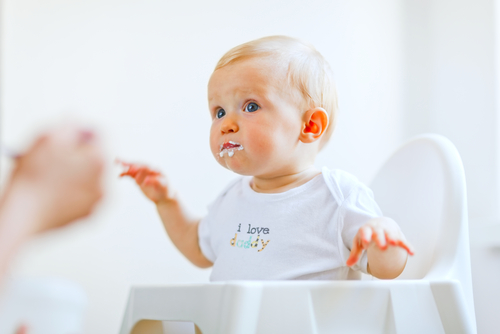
229, 125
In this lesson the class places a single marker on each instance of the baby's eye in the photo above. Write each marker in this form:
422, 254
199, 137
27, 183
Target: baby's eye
251, 107
221, 113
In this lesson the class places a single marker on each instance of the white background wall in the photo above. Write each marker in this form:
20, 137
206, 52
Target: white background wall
138, 71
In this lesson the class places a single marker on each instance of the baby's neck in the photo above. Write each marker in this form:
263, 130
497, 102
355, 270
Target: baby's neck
282, 183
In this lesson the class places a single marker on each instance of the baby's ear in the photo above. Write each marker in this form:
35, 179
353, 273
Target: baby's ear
315, 122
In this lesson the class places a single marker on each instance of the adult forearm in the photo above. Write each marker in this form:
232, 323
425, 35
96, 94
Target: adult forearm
183, 231
20, 215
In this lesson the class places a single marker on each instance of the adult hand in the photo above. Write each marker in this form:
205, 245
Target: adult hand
59, 177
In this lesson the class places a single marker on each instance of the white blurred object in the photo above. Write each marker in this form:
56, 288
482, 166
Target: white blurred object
8, 152
178, 327
422, 186
43, 305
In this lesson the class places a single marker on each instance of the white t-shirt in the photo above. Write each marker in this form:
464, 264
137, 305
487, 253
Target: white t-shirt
302, 233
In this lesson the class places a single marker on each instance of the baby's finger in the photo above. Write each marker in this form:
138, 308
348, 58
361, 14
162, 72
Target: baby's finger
397, 241
366, 234
142, 173
391, 238
353, 258
148, 180
126, 173
379, 237
151, 180
404, 244
356, 250
147, 172
131, 171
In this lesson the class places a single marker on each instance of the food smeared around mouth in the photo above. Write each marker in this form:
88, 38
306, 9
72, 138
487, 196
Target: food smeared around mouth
229, 147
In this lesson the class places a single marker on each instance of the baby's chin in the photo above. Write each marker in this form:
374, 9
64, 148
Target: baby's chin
235, 165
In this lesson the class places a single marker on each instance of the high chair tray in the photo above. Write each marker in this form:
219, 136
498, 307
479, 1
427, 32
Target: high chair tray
315, 307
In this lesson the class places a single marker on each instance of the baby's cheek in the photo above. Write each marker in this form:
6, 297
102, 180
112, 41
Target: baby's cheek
213, 142
263, 146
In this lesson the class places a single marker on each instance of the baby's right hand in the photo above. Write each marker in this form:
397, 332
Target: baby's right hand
148, 180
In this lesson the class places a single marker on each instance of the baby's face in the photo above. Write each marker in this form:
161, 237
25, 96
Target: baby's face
255, 124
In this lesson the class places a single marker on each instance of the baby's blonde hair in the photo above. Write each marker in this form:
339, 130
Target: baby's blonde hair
308, 72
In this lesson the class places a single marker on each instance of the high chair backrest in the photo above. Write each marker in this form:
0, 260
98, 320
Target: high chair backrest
422, 187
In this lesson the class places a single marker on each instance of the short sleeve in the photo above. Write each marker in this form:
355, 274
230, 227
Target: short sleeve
356, 210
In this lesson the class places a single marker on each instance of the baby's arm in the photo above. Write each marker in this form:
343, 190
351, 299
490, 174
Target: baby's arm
182, 230
386, 246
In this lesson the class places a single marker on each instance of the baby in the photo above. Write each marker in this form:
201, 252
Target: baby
273, 106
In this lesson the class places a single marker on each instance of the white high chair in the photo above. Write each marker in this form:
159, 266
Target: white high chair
422, 186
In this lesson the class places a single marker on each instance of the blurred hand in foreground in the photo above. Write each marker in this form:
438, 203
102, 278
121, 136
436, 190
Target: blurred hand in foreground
59, 178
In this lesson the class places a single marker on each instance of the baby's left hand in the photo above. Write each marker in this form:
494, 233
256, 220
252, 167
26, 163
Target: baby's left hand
381, 232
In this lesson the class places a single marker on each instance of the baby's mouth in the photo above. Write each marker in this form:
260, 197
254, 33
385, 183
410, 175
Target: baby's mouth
230, 147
